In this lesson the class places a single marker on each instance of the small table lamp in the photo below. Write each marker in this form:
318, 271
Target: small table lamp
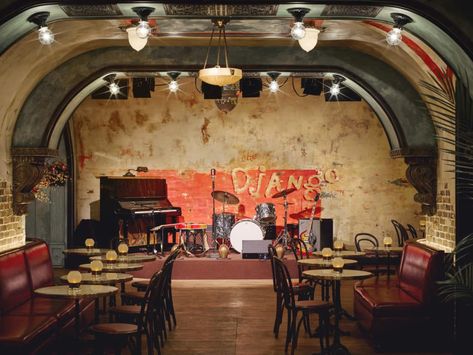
327, 253
74, 278
89, 243
337, 264
111, 256
338, 245
122, 249
96, 267
387, 241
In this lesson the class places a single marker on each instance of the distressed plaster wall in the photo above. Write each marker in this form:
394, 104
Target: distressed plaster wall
185, 133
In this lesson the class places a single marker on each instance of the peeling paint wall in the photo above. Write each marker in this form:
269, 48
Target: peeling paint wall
174, 135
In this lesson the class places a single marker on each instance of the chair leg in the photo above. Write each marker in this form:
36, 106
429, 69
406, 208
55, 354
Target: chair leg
279, 315
295, 334
289, 330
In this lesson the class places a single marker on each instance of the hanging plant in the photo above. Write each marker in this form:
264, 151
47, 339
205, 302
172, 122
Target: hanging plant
55, 174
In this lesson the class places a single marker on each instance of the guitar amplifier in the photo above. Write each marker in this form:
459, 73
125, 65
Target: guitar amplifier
255, 249
322, 229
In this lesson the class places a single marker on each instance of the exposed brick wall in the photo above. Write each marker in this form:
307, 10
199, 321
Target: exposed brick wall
12, 231
440, 228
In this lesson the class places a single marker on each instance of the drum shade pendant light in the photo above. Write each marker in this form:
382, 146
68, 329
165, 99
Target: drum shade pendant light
218, 75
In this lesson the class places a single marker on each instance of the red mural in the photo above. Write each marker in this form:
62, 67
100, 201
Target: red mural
191, 190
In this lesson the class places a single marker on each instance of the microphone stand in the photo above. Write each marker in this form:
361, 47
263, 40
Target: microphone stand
213, 252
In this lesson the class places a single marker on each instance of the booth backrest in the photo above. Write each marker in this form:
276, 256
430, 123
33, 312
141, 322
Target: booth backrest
21, 271
420, 268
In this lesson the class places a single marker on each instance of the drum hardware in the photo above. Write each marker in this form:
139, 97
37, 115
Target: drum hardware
223, 222
265, 213
213, 252
225, 197
245, 229
284, 237
189, 235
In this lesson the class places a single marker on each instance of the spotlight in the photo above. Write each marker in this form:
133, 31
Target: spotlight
114, 88
394, 37
45, 35
335, 88
274, 85
173, 85
298, 29
143, 30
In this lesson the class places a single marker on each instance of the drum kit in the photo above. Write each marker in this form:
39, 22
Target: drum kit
229, 232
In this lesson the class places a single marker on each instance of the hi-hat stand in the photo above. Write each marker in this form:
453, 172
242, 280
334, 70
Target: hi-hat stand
213, 251
284, 237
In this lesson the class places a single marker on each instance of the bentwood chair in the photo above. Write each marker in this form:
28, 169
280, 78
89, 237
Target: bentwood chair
306, 307
364, 241
401, 232
139, 321
412, 230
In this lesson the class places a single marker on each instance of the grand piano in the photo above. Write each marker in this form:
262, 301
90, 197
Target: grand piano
131, 206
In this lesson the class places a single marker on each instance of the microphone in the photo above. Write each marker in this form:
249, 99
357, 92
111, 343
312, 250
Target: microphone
212, 173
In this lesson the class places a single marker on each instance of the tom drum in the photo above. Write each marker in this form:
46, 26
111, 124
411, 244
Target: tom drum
265, 212
245, 229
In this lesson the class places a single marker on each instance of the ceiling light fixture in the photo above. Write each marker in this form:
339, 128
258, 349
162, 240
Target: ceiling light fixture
335, 88
173, 85
136, 42
217, 75
45, 35
274, 85
298, 30
310, 39
394, 37
143, 30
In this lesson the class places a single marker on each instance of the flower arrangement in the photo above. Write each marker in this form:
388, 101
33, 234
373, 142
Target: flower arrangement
55, 174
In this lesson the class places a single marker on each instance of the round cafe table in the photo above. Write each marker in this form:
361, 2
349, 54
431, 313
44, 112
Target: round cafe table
343, 253
116, 267
85, 251
84, 291
336, 277
322, 263
130, 258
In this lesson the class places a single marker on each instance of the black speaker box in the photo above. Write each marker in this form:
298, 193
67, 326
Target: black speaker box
255, 249
142, 87
211, 92
322, 229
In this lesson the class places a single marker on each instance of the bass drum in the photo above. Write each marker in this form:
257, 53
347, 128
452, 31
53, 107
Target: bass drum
245, 229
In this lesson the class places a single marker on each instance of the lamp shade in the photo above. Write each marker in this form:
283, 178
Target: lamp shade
89, 243
220, 76
111, 256
309, 41
122, 248
74, 278
136, 42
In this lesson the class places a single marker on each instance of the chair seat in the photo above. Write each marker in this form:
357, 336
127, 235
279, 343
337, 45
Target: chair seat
127, 309
114, 328
299, 287
313, 305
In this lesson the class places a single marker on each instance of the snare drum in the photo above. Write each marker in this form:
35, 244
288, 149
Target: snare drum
265, 212
223, 224
245, 229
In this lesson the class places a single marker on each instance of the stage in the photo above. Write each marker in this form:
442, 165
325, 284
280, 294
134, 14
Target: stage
204, 268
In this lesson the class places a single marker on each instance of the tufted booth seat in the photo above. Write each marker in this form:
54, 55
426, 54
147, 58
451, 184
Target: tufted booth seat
402, 306
29, 323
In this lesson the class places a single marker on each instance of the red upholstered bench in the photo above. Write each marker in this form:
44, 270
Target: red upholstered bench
404, 306
29, 323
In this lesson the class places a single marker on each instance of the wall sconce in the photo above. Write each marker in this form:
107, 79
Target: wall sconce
274, 85
298, 30
139, 169
335, 88
45, 35
173, 85
143, 30
394, 37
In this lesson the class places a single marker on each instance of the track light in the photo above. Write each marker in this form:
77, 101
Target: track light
173, 85
143, 30
112, 85
45, 35
298, 29
335, 88
274, 85
394, 37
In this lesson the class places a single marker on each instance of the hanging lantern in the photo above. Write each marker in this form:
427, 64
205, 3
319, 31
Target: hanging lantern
229, 98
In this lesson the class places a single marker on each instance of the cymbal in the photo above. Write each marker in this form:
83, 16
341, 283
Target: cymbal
284, 193
225, 197
305, 213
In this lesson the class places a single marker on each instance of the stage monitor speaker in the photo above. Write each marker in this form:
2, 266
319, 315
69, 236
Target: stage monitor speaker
211, 92
322, 229
255, 249
142, 87
103, 93
251, 87
312, 86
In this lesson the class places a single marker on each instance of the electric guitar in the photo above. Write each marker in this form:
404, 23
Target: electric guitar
308, 235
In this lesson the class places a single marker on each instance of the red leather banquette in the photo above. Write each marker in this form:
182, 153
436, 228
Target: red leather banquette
28, 323
405, 306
